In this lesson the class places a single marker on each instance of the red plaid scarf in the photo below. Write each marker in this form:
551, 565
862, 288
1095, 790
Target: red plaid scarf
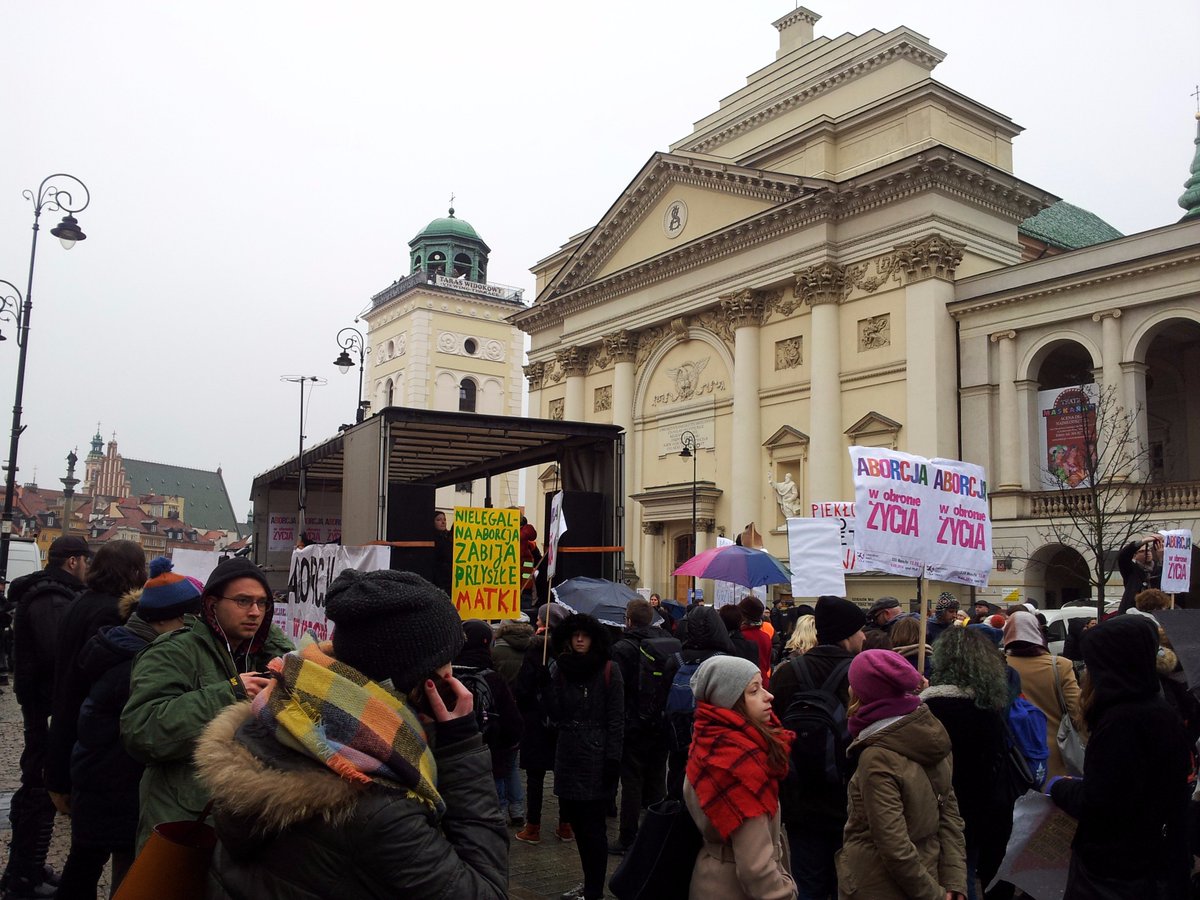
729, 769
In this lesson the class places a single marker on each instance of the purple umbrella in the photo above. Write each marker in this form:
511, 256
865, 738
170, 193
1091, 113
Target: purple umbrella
737, 565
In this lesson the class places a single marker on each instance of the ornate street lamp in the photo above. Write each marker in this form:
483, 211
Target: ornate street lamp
17, 310
352, 339
688, 439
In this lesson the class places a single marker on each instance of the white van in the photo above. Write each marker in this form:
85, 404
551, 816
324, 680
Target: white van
24, 557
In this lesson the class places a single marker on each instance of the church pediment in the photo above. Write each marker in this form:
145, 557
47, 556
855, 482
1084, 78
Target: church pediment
675, 199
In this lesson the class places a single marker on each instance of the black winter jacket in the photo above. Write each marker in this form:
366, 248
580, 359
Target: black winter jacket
540, 737
1132, 801
104, 777
291, 829
41, 601
87, 615
585, 698
626, 653
504, 737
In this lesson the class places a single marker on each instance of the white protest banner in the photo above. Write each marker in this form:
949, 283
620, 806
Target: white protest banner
961, 551
196, 564
726, 592
558, 527
1177, 560
1039, 850
281, 532
891, 491
845, 515
815, 556
312, 571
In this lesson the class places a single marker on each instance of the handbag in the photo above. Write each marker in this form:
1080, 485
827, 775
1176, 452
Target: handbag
173, 863
659, 864
1070, 742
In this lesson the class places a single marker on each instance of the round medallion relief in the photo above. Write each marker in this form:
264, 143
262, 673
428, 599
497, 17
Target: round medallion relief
675, 218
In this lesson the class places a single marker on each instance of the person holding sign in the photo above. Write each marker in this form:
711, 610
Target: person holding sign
359, 771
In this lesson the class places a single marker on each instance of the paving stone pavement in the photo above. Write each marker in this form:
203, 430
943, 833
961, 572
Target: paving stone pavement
536, 871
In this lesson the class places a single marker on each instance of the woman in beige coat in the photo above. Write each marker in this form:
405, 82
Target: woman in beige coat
1027, 655
738, 756
904, 836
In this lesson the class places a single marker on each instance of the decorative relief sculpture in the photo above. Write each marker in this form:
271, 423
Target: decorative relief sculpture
573, 360
447, 343
787, 495
603, 399
822, 283
744, 308
687, 383
875, 332
494, 350
622, 346
652, 528
534, 373
556, 409
789, 353
887, 268
931, 257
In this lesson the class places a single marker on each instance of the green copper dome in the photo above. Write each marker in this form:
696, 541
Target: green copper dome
451, 248
447, 227
1190, 201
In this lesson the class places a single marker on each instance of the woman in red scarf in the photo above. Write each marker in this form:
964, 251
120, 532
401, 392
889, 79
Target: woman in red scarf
738, 757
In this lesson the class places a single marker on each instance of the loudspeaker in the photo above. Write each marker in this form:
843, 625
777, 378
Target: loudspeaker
410, 518
584, 512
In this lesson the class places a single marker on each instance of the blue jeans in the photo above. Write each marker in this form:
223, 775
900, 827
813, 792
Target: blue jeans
813, 867
511, 791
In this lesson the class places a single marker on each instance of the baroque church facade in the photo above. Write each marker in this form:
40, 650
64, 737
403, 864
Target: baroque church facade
836, 256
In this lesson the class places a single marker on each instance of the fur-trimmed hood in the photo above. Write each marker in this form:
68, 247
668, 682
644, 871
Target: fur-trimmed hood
275, 793
128, 603
588, 625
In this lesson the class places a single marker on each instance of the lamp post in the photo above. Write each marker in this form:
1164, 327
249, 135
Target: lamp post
300, 487
688, 439
351, 339
17, 310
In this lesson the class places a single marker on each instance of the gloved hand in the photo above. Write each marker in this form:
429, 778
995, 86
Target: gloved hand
611, 774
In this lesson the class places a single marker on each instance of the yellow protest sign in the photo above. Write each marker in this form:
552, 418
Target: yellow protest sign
487, 563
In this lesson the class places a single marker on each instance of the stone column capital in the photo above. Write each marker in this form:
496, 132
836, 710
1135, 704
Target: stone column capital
930, 257
998, 336
744, 308
1106, 314
706, 525
622, 345
823, 283
652, 528
574, 360
534, 373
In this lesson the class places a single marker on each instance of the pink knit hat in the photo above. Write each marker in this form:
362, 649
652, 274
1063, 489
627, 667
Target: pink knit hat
878, 674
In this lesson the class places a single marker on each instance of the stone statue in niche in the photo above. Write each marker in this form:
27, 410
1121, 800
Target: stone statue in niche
787, 494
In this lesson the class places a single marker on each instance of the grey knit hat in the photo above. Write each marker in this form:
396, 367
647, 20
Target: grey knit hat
392, 625
721, 680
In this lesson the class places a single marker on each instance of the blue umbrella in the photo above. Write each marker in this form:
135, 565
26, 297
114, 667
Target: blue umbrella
738, 565
604, 600
674, 608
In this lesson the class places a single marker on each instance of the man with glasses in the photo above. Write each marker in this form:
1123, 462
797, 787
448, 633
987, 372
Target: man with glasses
184, 679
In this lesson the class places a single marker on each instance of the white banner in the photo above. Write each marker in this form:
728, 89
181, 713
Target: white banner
281, 532
1177, 560
961, 551
312, 571
816, 557
845, 515
918, 515
558, 527
196, 564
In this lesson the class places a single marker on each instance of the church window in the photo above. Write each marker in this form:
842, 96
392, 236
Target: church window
467, 389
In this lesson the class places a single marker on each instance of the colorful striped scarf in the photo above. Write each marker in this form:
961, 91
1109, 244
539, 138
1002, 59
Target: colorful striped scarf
336, 715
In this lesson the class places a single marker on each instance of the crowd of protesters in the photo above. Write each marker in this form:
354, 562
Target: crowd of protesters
819, 751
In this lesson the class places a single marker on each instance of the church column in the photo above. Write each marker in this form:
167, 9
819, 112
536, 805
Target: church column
744, 311
931, 387
652, 573
823, 288
1135, 393
1009, 425
574, 362
1110, 348
622, 350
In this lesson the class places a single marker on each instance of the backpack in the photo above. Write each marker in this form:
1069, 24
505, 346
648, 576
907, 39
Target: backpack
680, 707
1027, 726
819, 720
486, 714
650, 699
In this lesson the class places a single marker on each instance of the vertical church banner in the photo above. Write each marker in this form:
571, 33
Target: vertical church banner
487, 563
1067, 435
919, 516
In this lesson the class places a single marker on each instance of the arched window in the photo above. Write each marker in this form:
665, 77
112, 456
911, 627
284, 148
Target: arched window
391, 390
467, 389
462, 265
417, 263
437, 263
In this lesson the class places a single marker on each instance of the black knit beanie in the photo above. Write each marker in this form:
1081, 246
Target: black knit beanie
392, 625
232, 569
837, 619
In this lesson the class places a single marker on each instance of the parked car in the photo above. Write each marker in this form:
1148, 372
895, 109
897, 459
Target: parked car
1057, 619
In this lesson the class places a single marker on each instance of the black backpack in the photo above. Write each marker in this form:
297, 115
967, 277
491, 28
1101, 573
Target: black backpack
680, 707
818, 718
486, 714
652, 685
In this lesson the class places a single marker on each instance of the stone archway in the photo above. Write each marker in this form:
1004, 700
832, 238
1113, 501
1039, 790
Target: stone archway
1061, 573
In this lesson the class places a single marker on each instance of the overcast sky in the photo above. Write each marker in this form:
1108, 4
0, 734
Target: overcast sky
257, 169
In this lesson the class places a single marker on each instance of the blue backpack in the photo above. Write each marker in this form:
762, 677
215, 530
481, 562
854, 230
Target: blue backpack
1027, 729
680, 708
